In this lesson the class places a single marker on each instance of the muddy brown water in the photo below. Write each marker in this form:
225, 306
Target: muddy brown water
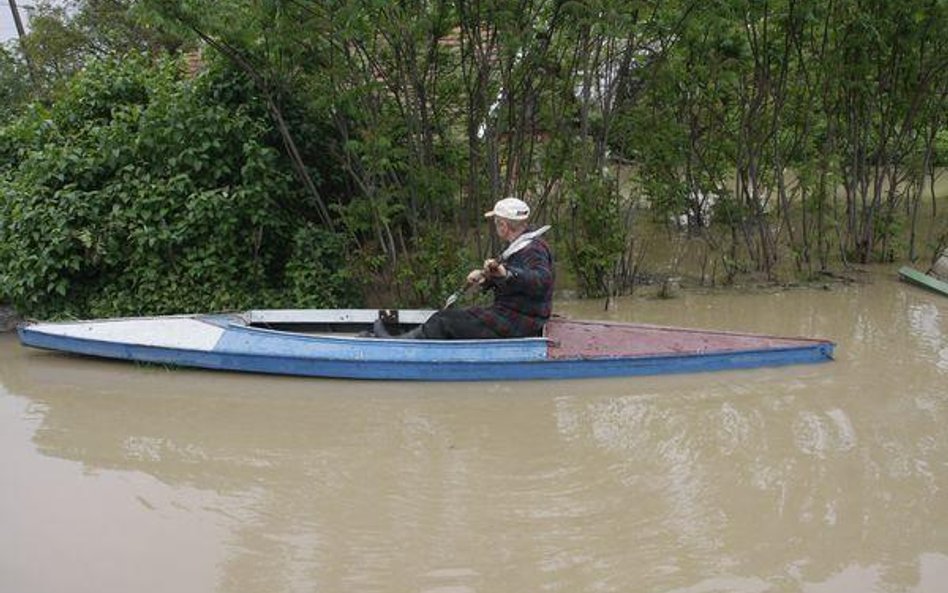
821, 478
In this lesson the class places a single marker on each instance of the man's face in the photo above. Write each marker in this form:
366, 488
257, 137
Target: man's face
502, 226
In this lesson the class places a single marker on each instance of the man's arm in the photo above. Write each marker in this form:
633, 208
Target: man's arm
529, 272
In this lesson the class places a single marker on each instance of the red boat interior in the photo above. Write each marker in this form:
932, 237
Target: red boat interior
572, 339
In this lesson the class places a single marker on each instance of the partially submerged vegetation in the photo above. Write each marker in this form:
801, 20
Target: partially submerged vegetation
174, 156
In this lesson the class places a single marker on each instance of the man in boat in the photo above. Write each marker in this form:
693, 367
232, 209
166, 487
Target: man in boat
522, 286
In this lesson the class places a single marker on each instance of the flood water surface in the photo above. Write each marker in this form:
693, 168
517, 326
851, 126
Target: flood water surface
820, 478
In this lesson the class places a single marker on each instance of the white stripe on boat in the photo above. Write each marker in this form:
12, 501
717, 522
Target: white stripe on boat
166, 332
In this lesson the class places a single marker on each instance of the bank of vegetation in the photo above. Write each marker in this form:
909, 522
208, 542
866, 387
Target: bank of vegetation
172, 155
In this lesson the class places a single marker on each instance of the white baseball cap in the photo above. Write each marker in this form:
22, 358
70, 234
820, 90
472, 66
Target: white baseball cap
511, 209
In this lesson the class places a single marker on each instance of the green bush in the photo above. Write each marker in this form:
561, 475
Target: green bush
318, 274
434, 269
941, 148
14, 83
598, 235
138, 193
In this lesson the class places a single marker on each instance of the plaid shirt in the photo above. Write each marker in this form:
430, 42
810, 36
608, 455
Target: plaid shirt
523, 301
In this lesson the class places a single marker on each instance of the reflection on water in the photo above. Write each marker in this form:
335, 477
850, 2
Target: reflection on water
815, 478
926, 321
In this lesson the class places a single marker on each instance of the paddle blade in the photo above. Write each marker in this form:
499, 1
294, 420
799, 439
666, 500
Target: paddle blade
450, 300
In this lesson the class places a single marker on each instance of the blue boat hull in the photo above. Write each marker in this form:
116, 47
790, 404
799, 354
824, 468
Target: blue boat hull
239, 348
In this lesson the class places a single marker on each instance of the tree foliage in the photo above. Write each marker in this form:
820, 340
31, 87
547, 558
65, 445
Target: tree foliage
768, 134
64, 36
14, 83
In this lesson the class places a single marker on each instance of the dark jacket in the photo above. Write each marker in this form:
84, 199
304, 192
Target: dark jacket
523, 301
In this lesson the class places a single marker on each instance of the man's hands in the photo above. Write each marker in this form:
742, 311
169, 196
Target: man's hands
495, 269
492, 269
476, 277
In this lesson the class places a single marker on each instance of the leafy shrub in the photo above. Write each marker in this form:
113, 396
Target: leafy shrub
138, 193
434, 268
597, 234
941, 148
318, 272
14, 83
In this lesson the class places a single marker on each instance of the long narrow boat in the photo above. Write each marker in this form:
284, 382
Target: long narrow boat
917, 278
326, 343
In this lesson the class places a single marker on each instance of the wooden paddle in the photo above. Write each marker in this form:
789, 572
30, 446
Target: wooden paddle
515, 246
